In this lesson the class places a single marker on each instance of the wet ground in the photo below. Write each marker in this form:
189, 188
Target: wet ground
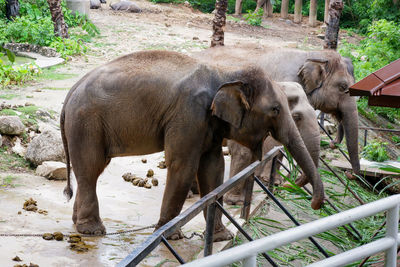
122, 207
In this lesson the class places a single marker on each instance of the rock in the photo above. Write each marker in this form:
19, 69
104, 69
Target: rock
11, 125
47, 146
52, 170
95, 4
18, 148
126, 6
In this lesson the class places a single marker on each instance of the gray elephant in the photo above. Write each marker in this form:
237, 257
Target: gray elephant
324, 75
306, 122
152, 101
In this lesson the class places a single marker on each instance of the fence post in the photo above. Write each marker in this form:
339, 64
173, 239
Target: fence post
392, 225
209, 237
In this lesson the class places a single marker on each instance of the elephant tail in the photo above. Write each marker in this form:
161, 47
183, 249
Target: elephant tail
68, 192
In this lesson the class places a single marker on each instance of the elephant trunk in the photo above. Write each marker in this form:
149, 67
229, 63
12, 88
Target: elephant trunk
350, 124
290, 137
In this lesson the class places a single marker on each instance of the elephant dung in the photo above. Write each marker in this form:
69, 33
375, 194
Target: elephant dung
74, 238
144, 160
58, 236
136, 181
147, 185
30, 205
150, 173
16, 258
162, 165
129, 177
154, 181
48, 236
141, 183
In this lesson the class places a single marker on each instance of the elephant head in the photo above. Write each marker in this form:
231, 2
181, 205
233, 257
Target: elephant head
326, 79
258, 107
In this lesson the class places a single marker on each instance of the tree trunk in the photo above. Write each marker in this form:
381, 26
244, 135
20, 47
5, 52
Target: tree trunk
12, 9
268, 9
238, 7
297, 11
326, 12
284, 9
60, 28
219, 22
312, 19
332, 31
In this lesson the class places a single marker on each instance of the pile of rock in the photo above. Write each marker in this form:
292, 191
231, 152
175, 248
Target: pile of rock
43, 148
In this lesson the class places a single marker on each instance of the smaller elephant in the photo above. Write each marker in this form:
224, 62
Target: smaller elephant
306, 122
95, 4
126, 6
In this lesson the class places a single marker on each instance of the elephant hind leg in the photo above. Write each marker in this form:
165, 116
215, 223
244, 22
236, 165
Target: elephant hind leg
88, 161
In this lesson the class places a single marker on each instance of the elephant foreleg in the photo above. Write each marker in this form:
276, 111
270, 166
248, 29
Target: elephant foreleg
210, 175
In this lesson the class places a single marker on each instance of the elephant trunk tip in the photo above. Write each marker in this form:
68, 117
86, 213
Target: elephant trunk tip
317, 201
68, 192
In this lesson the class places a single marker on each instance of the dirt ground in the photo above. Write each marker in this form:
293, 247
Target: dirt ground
170, 27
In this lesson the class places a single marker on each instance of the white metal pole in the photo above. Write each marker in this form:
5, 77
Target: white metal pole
392, 225
250, 261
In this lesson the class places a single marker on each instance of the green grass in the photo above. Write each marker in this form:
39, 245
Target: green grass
11, 161
8, 96
52, 74
8, 181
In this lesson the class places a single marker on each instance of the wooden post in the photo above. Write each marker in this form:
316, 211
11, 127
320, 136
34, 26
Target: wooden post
326, 13
312, 20
332, 31
238, 7
219, 21
297, 11
284, 9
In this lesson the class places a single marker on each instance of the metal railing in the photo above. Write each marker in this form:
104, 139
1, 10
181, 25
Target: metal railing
247, 253
209, 202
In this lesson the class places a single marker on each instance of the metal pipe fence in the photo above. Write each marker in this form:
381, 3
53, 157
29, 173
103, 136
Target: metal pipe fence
247, 253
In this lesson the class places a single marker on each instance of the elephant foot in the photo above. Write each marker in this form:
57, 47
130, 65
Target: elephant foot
221, 235
176, 235
90, 227
74, 217
234, 199
277, 181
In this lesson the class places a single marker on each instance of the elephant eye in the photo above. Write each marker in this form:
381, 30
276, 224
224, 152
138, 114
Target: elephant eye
296, 116
275, 110
343, 86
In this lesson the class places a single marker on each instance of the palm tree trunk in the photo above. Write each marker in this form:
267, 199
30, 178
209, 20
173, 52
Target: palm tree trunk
60, 28
219, 22
332, 31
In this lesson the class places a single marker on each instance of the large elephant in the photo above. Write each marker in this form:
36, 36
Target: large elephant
151, 101
306, 122
324, 75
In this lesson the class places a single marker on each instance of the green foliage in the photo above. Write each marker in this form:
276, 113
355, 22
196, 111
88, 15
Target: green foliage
35, 26
16, 74
396, 139
380, 48
375, 151
254, 18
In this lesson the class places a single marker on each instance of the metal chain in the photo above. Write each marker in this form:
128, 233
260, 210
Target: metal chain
84, 235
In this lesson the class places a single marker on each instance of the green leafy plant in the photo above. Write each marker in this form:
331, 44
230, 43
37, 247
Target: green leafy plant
254, 18
375, 151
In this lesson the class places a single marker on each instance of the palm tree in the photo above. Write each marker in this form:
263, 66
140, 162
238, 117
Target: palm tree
60, 28
219, 22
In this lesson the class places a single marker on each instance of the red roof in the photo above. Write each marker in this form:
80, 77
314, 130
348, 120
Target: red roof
382, 86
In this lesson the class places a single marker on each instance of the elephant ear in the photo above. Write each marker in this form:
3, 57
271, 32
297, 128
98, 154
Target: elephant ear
312, 74
230, 103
